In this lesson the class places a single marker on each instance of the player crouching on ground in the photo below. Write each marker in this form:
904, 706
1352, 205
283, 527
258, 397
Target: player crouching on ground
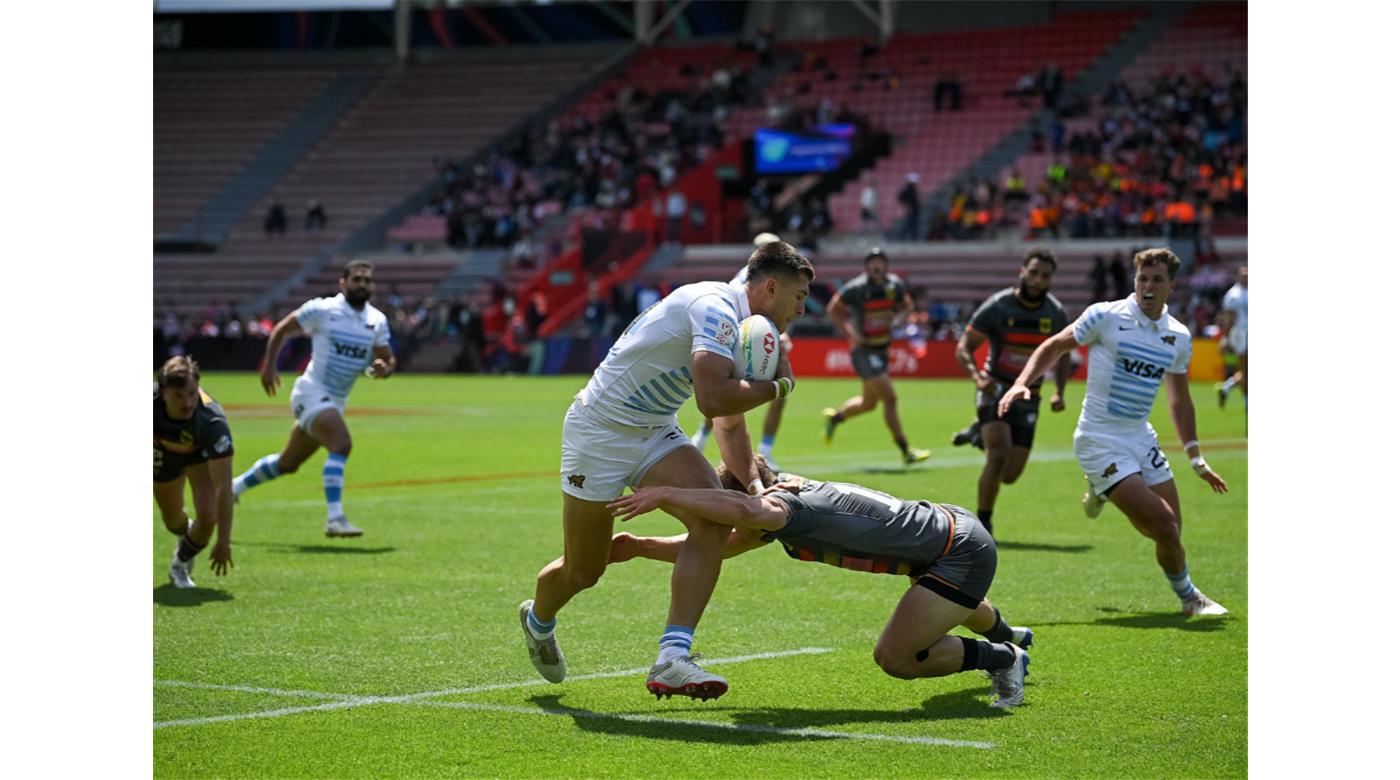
945, 551
192, 441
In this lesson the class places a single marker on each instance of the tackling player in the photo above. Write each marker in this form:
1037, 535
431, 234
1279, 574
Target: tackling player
1015, 320
1134, 345
948, 555
774, 416
874, 300
621, 432
349, 337
1234, 323
192, 441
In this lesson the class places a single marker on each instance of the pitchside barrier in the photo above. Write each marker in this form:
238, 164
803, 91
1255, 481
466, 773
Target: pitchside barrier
832, 357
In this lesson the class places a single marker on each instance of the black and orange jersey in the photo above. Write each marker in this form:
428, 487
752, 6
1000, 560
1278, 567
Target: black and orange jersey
854, 527
179, 443
873, 307
1014, 330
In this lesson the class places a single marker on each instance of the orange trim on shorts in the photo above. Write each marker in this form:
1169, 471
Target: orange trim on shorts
931, 575
952, 526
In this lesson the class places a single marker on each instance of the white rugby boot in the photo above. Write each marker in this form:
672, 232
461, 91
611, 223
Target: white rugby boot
339, 526
180, 571
1093, 503
544, 653
1022, 637
1009, 684
681, 676
1199, 603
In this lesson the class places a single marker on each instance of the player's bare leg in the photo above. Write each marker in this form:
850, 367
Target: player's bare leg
996, 436
588, 527
330, 431
193, 534
915, 643
1156, 513
587, 541
170, 499
884, 388
693, 581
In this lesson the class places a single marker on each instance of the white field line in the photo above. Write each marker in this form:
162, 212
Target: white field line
740, 727
343, 701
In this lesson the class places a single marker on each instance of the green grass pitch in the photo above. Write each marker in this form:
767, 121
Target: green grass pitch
399, 654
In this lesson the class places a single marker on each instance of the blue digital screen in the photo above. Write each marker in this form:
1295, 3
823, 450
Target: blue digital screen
823, 149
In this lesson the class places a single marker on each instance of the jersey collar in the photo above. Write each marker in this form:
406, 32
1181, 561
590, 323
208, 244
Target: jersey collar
741, 294
1141, 317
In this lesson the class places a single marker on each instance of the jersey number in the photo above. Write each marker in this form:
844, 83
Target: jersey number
879, 498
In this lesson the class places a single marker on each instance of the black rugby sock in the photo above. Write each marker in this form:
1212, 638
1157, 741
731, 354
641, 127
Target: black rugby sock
903, 445
985, 515
981, 654
1000, 631
188, 549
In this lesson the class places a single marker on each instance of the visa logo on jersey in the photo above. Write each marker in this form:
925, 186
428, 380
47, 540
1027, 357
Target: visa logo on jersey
1142, 368
350, 350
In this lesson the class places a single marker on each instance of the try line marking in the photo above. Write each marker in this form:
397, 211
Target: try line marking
340, 701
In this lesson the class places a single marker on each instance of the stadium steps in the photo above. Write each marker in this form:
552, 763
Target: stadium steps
271, 163
476, 265
1093, 80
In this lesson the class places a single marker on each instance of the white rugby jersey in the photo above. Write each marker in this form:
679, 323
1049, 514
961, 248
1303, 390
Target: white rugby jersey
1237, 300
741, 278
342, 341
1129, 355
645, 379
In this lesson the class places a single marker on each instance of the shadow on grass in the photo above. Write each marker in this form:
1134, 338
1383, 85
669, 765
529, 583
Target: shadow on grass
1174, 620
168, 595
891, 470
764, 725
322, 548
1036, 547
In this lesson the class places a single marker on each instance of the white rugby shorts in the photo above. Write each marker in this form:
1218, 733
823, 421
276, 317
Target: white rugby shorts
1239, 340
599, 458
309, 399
1109, 458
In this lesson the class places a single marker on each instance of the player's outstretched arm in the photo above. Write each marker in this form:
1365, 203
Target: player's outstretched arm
719, 394
221, 474
725, 507
287, 327
736, 449
625, 546
1063, 368
1045, 355
1183, 411
840, 317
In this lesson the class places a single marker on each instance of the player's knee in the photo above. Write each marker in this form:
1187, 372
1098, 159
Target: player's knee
1010, 473
175, 522
895, 664
868, 402
341, 445
997, 458
585, 577
287, 466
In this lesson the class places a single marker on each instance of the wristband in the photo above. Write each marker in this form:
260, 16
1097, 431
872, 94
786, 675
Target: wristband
755, 487
1198, 465
784, 387
1188, 445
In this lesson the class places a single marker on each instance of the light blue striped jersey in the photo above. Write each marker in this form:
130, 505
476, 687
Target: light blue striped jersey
1129, 355
342, 341
646, 376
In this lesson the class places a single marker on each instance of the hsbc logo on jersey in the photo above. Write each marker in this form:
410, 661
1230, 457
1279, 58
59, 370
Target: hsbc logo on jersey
1142, 368
350, 350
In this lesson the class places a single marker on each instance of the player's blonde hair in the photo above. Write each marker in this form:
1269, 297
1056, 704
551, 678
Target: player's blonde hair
178, 371
1158, 256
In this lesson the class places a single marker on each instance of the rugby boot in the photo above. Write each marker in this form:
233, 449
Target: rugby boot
967, 435
339, 526
681, 676
544, 653
1221, 394
915, 455
1009, 684
1022, 637
829, 431
1199, 603
1093, 503
180, 572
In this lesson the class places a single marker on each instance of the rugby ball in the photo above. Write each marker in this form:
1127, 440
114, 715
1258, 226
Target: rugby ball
756, 350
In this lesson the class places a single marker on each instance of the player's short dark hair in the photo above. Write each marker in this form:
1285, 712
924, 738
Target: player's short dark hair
779, 258
179, 371
353, 264
1043, 255
1158, 256
731, 482
876, 252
